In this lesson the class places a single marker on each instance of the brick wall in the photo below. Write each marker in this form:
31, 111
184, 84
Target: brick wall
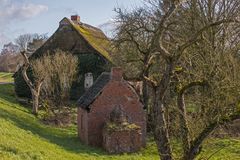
114, 93
125, 141
82, 121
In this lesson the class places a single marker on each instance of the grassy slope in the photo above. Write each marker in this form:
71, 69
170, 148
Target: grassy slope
6, 77
23, 137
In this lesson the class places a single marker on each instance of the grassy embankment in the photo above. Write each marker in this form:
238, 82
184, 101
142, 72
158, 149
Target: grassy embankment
24, 137
5, 77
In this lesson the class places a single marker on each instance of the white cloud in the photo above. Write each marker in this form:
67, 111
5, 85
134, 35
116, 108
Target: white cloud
11, 11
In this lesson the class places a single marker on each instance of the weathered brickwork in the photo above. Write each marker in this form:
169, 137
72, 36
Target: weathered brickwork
125, 141
117, 92
120, 136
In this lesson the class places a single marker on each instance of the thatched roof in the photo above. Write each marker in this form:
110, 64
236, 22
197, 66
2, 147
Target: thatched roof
95, 37
92, 35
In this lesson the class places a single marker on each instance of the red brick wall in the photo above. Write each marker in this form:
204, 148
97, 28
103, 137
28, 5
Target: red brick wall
82, 120
75, 18
114, 93
125, 141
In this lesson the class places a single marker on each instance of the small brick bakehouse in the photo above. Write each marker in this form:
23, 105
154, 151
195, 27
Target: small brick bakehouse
111, 104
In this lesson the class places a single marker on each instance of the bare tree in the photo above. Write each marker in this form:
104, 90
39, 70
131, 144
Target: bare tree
53, 75
30, 42
37, 42
9, 63
170, 35
11, 59
132, 42
59, 69
23, 40
211, 65
34, 86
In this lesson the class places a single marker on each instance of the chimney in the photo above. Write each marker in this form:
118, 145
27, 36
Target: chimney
75, 19
117, 74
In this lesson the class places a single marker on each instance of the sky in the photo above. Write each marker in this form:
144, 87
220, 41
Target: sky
43, 16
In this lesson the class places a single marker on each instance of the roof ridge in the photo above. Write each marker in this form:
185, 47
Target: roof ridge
93, 39
90, 95
92, 27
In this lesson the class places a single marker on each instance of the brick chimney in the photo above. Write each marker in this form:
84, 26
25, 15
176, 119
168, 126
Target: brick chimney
116, 74
75, 19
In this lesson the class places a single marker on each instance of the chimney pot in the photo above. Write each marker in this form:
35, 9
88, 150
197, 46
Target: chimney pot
75, 18
117, 74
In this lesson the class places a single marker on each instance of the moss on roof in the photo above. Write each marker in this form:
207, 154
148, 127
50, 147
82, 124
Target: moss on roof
95, 37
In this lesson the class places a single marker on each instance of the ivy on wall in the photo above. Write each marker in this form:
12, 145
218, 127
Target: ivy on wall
88, 62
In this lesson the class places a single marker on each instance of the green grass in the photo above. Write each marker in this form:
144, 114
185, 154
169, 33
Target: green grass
221, 149
6, 77
24, 137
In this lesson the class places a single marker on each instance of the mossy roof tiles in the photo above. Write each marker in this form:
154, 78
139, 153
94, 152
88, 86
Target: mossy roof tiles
95, 37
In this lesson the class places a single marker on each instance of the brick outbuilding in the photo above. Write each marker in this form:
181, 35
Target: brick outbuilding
109, 91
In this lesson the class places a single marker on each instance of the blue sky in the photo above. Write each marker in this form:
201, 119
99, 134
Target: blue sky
42, 16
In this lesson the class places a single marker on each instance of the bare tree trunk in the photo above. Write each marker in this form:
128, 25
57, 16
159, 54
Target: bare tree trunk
195, 148
161, 132
162, 137
35, 88
145, 95
185, 136
35, 100
145, 85
183, 124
